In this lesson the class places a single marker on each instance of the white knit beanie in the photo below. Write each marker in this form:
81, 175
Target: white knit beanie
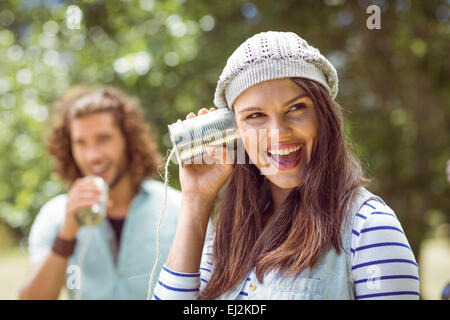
268, 56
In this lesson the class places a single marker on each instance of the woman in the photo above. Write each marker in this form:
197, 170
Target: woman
306, 230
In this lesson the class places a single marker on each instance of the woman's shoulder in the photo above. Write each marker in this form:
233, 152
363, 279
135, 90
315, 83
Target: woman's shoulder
382, 262
377, 211
376, 220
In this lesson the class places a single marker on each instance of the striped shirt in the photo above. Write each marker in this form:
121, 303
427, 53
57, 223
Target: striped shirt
383, 264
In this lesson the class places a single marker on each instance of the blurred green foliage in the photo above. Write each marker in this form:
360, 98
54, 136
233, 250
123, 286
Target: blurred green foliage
394, 82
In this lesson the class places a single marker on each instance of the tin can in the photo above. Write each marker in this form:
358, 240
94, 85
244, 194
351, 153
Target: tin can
97, 213
191, 137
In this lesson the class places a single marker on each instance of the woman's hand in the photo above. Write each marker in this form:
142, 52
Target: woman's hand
207, 178
200, 184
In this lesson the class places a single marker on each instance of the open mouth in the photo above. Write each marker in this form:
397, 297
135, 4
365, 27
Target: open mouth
101, 172
287, 156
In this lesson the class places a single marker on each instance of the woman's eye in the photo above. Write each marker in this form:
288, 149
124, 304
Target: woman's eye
255, 115
298, 106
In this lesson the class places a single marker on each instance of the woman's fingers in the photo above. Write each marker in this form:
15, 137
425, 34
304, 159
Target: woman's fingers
190, 115
220, 154
202, 111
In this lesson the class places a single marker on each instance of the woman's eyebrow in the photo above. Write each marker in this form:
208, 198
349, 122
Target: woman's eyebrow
295, 99
302, 95
250, 109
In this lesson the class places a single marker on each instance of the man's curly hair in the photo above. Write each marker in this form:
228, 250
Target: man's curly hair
142, 152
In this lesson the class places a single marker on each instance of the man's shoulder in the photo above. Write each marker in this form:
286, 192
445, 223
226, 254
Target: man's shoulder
57, 202
50, 216
153, 192
152, 186
54, 208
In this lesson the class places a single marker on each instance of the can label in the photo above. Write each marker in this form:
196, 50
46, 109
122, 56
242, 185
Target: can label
191, 137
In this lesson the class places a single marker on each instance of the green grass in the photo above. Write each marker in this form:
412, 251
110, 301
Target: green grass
13, 268
434, 265
13, 271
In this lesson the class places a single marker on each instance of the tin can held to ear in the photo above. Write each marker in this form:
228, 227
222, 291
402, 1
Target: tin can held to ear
97, 213
191, 137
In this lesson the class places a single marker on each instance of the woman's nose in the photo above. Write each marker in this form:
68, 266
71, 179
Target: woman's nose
279, 128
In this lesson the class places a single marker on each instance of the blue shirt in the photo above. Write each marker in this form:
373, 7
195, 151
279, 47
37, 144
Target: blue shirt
110, 270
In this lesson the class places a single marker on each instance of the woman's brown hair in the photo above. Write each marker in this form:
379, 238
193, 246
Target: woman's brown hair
142, 151
309, 220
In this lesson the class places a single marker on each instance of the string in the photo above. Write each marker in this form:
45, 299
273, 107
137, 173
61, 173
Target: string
166, 182
88, 238
80, 260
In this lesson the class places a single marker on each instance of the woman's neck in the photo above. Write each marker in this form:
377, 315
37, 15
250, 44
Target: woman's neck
278, 196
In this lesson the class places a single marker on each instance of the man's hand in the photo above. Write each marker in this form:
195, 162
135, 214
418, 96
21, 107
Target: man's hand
84, 193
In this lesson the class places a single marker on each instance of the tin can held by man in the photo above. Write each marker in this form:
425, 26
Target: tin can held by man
191, 137
97, 213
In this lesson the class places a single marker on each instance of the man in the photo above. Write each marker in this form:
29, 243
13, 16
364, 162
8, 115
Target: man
100, 132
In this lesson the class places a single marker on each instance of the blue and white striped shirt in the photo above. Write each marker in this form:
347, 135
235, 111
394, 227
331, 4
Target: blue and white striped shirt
383, 264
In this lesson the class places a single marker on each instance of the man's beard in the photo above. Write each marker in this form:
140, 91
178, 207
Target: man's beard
118, 177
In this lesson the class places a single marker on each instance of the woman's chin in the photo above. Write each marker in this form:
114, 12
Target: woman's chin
284, 183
